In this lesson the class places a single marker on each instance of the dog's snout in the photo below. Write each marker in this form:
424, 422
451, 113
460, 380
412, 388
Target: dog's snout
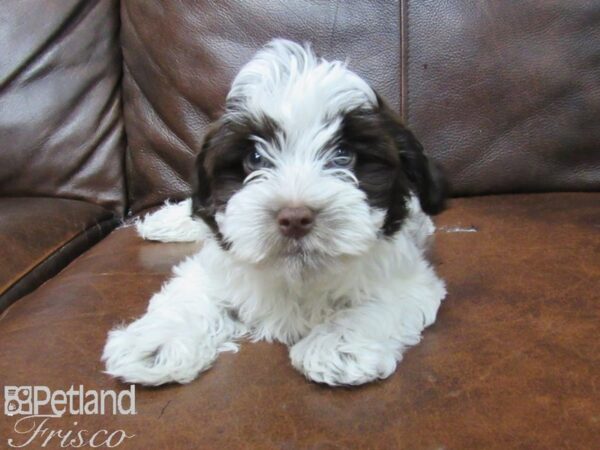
295, 222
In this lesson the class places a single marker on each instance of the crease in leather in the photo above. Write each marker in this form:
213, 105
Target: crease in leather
156, 114
76, 16
164, 73
162, 158
104, 132
71, 66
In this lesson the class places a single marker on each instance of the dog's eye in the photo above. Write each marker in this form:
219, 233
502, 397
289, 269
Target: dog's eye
343, 159
255, 161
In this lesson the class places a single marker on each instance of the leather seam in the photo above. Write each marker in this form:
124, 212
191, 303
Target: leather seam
406, 81
111, 222
402, 44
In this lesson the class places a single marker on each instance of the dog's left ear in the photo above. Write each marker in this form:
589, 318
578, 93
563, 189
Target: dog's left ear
425, 177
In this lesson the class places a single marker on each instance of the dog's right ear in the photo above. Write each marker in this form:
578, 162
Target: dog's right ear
202, 204
218, 172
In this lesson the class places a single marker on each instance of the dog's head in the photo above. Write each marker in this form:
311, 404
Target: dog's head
308, 163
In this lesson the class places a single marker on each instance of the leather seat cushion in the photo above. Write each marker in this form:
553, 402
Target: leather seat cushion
512, 360
39, 236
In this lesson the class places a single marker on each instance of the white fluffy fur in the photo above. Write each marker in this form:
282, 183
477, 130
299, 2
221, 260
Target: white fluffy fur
346, 300
172, 223
287, 81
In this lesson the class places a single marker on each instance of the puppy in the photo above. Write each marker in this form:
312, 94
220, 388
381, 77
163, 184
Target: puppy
310, 196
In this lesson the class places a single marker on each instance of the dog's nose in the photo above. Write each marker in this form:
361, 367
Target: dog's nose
295, 222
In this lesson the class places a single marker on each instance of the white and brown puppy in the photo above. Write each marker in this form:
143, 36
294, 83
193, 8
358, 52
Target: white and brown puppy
309, 197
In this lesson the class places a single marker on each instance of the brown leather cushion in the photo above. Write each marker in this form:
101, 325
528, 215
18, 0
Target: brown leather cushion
39, 236
511, 362
507, 96
61, 129
180, 58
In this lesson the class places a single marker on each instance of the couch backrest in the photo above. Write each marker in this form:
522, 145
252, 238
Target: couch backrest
505, 95
180, 58
61, 132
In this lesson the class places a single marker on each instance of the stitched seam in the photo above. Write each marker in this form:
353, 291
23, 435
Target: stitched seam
99, 225
124, 137
402, 50
407, 41
52, 252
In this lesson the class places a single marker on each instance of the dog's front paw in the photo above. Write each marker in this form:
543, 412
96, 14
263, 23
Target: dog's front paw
337, 358
154, 356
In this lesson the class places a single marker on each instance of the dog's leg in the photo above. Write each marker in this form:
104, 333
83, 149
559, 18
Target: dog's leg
364, 343
173, 222
180, 335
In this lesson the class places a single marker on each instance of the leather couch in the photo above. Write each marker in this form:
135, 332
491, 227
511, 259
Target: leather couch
102, 108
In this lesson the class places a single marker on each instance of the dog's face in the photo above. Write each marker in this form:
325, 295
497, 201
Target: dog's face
308, 164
